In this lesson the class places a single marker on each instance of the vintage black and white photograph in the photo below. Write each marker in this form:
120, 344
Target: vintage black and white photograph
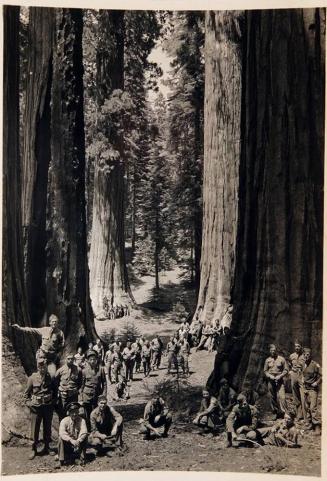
162, 245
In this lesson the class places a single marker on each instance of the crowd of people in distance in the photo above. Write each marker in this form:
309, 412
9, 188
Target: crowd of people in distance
114, 312
76, 388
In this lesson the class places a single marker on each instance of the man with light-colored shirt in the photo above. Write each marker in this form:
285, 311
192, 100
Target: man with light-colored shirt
52, 342
72, 437
296, 361
275, 370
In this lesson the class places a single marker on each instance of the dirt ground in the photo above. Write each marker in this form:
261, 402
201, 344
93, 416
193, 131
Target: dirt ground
186, 448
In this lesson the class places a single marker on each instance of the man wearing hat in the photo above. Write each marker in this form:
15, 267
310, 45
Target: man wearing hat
94, 383
275, 370
156, 415
311, 379
106, 426
242, 420
208, 414
52, 342
40, 396
69, 381
72, 437
296, 361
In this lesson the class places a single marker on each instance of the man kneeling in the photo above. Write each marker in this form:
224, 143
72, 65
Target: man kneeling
72, 437
106, 427
156, 415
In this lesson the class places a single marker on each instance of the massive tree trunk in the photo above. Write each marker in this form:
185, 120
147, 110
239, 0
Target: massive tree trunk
223, 71
67, 270
278, 286
14, 308
35, 158
109, 284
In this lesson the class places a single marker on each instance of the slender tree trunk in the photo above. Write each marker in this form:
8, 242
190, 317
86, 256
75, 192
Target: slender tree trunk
223, 74
108, 274
67, 270
278, 286
156, 249
14, 307
36, 157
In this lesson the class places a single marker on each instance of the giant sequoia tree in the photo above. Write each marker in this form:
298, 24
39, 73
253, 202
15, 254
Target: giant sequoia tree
278, 278
14, 309
222, 131
66, 257
53, 197
109, 284
262, 242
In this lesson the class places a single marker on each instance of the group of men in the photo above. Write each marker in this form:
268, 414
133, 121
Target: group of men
305, 377
77, 391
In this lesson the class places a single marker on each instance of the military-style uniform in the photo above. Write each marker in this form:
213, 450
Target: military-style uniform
93, 384
52, 343
156, 345
108, 359
103, 423
137, 349
311, 375
40, 396
129, 359
116, 364
172, 349
226, 400
211, 419
274, 367
151, 411
146, 359
183, 356
69, 381
279, 435
72, 429
242, 416
296, 361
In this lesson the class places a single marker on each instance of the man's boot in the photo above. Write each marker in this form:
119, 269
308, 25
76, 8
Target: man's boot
33, 453
229, 442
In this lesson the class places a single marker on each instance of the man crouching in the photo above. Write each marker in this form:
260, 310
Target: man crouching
72, 437
156, 415
106, 427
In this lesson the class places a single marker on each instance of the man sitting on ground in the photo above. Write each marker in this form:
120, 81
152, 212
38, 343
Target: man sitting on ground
226, 399
208, 415
282, 433
72, 437
242, 420
106, 427
156, 415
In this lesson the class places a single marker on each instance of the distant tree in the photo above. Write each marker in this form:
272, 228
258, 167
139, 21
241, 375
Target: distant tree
184, 43
108, 273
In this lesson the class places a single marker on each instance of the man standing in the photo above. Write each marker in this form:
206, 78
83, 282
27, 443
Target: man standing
184, 353
52, 342
275, 370
137, 349
69, 381
40, 396
116, 362
106, 425
93, 384
146, 354
156, 346
108, 363
99, 349
296, 361
72, 437
155, 415
172, 349
311, 381
129, 359
243, 419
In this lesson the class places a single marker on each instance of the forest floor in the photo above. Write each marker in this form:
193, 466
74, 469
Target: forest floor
186, 448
